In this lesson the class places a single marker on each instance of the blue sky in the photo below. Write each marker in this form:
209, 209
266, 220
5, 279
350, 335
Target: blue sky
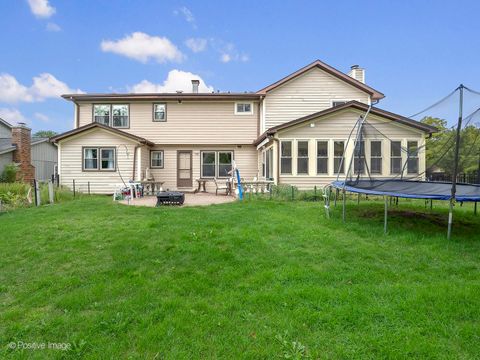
413, 51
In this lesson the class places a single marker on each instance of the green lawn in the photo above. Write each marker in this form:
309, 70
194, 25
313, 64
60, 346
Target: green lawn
259, 279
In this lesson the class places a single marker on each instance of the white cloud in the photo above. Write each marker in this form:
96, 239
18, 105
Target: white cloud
143, 47
12, 91
12, 115
53, 27
44, 86
176, 80
42, 117
41, 8
225, 58
196, 44
187, 15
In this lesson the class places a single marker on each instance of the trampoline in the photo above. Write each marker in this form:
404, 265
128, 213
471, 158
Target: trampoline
411, 189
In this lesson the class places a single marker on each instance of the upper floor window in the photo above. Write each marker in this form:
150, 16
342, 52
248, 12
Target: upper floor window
243, 108
159, 112
114, 115
120, 116
338, 102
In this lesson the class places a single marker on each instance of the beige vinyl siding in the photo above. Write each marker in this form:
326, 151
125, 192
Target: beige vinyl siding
245, 158
102, 182
337, 127
191, 122
309, 93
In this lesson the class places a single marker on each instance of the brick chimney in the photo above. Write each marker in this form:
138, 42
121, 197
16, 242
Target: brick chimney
21, 138
357, 73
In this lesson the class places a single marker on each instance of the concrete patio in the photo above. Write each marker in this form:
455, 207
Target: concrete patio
198, 199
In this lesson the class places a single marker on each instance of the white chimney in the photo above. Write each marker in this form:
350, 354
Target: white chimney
357, 73
195, 84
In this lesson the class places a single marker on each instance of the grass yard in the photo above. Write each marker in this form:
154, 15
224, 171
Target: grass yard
259, 279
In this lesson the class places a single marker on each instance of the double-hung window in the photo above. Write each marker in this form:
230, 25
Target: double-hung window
156, 159
101, 114
359, 157
159, 112
376, 157
216, 163
412, 162
243, 108
114, 115
120, 116
322, 157
302, 157
338, 153
224, 165
286, 157
395, 157
99, 159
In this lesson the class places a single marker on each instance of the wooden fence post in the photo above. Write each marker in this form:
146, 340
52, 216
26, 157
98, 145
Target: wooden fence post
36, 187
50, 192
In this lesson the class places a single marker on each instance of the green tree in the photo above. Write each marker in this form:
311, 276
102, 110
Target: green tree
45, 133
440, 151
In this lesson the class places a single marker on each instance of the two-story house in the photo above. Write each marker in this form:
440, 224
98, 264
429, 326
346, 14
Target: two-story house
294, 132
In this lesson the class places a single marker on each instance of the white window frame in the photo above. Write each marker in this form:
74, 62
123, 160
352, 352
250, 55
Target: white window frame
236, 112
323, 157
339, 157
376, 157
396, 157
302, 157
162, 158
416, 157
217, 163
290, 157
359, 157
99, 158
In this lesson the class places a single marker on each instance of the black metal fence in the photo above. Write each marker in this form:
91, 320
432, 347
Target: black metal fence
466, 178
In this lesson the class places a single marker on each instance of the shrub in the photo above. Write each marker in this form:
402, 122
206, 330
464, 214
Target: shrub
9, 174
14, 195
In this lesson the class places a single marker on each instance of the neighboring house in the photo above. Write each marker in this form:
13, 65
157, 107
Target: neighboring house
293, 132
36, 157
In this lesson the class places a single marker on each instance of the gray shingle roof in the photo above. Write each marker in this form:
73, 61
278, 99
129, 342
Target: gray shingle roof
6, 145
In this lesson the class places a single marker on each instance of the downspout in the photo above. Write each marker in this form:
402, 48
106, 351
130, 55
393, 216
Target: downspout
135, 161
275, 140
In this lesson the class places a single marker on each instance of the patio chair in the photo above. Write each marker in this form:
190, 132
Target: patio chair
219, 186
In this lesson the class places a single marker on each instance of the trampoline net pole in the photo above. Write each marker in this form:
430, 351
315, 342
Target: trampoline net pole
343, 204
386, 214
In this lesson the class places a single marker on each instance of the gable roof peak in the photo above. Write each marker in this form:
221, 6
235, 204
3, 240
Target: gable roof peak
375, 94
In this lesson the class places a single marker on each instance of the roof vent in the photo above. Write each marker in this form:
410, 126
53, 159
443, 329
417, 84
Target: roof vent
179, 91
195, 85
